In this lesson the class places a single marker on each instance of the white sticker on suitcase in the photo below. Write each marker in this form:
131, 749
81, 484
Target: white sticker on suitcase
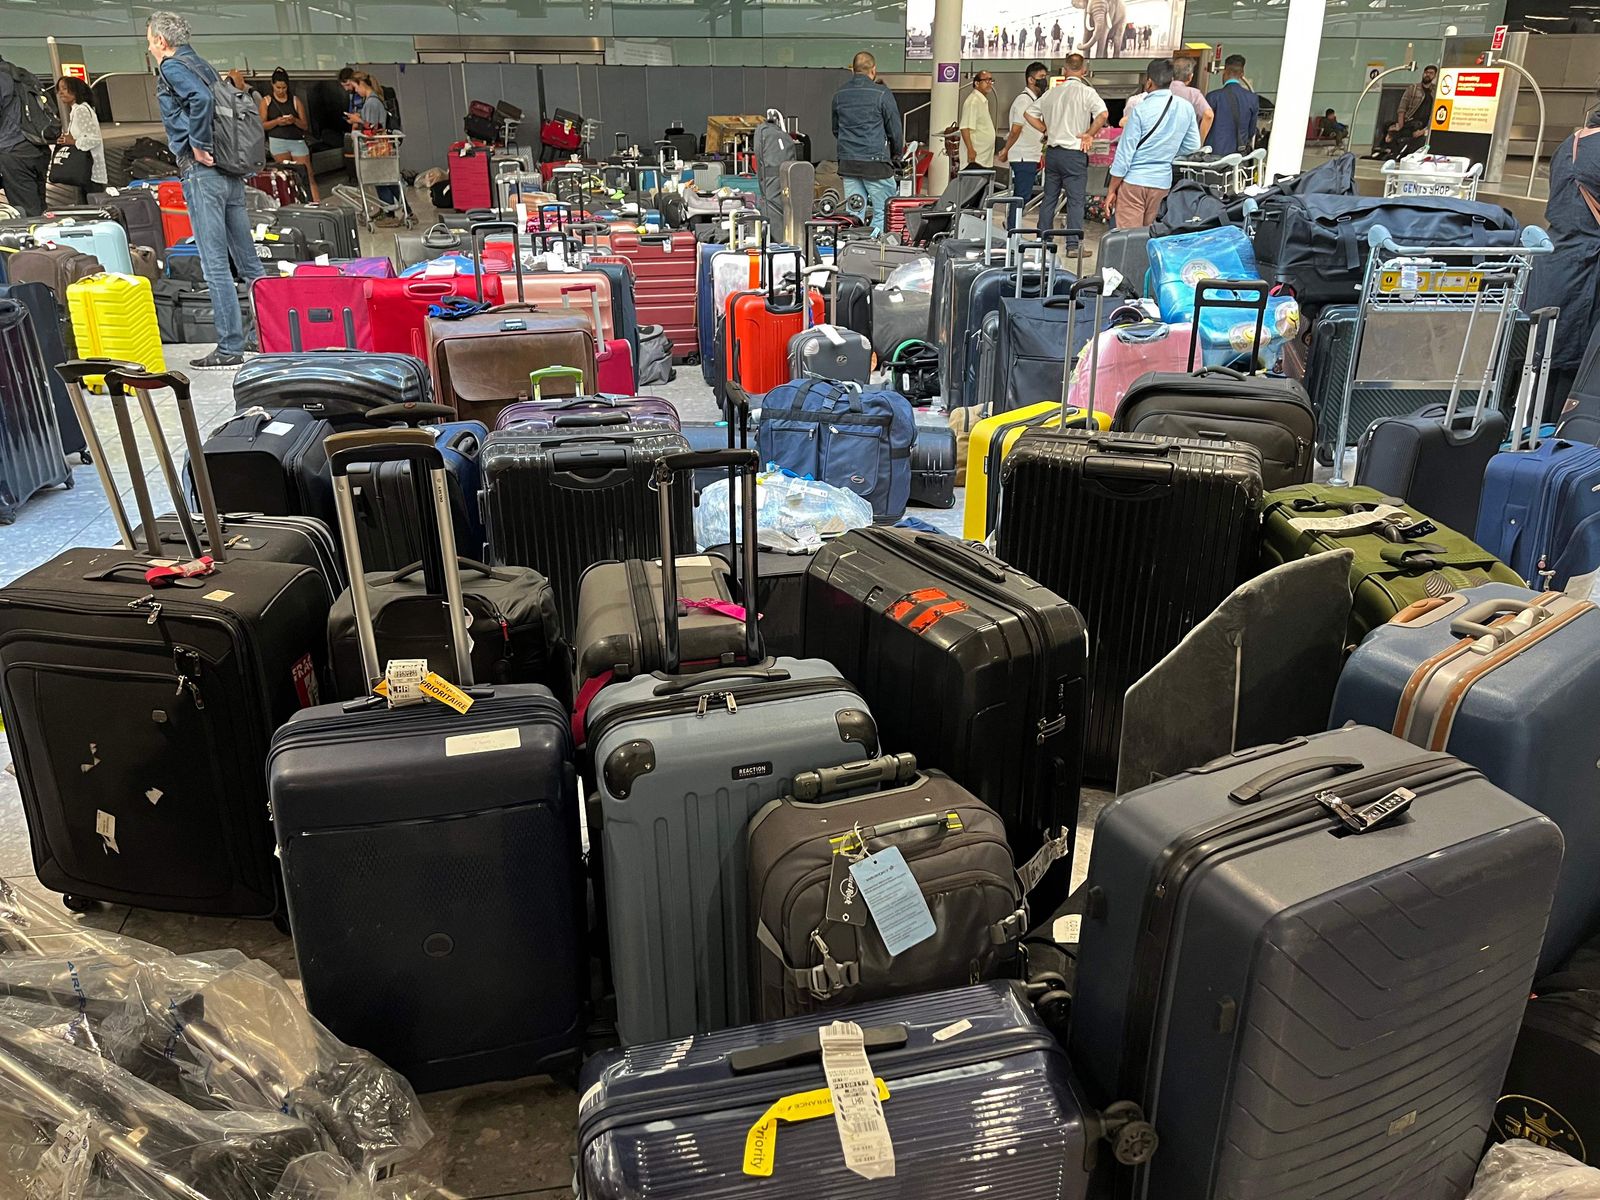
277, 428
482, 743
953, 1030
106, 826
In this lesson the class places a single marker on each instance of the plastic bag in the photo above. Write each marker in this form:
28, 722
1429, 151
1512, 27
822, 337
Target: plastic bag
1520, 1170
802, 509
1179, 262
915, 276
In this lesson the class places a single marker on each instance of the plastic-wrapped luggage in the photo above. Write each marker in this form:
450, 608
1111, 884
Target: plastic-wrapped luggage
30, 440
1180, 264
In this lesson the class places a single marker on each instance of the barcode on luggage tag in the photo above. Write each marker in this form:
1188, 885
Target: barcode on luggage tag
482, 743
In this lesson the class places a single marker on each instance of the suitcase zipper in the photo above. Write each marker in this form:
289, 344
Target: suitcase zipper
698, 703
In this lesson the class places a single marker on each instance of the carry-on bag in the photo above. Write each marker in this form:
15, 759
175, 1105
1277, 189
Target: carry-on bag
139, 698
1540, 511
1268, 412
905, 614
313, 309
1488, 675
106, 241
51, 333
1127, 252
1307, 961
398, 309
418, 842
31, 456
340, 386
270, 460
830, 350
1126, 352
842, 435
280, 181
185, 312
1183, 515
1401, 555
141, 214
738, 1100
613, 359
174, 211
1038, 336
899, 315
580, 411
411, 247
759, 324
331, 223
114, 316
874, 260
973, 282
57, 267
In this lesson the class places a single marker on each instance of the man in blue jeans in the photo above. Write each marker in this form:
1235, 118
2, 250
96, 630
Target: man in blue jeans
1025, 142
216, 201
866, 124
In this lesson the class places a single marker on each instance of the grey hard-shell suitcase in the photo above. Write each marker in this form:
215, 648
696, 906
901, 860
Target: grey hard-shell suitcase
1308, 962
830, 351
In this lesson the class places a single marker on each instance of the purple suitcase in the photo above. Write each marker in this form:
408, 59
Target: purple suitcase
572, 412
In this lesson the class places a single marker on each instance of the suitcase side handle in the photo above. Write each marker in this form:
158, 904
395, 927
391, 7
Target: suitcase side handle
1255, 789
807, 1047
892, 770
412, 412
1473, 623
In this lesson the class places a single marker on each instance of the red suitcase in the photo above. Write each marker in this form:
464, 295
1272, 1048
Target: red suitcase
399, 308
174, 212
899, 208
613, 356
759, 326
470, 184
664, 269
282, 183
316, 308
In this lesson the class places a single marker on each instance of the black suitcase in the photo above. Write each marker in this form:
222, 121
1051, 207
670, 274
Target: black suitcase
1146, 535
141, 213
40, 300
185, 314
258, 537
1307, 961
933, 460
328, 223
270, 460
780, 593
436, 852
969, 665
851, 306
1272, 414
139, 714
341, 385
1038, 335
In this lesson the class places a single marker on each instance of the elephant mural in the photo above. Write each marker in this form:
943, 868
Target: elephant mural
1104, 23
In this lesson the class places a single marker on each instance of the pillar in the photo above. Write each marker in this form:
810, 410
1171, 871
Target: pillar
944, 93
1297, 79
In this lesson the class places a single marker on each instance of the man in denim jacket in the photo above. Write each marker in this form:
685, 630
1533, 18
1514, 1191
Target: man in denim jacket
866, 122
215, 200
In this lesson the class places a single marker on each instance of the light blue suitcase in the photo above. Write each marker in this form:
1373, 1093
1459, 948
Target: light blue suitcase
1503, 678
106, 240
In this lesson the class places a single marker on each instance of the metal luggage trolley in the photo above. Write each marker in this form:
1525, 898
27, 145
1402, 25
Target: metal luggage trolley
1232, 173
1417, 305
378, 162
1432, 175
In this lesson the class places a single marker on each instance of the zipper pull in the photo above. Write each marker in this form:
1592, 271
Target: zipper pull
733, 705
1545, 572
700, 709
505, 631
152, 602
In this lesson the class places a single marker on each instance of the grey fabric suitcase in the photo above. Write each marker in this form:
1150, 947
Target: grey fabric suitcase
898, 315
875, 260
1312, 988
830, 351
681, 764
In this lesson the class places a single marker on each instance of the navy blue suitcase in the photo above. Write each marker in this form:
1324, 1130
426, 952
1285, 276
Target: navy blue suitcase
386, 509
270, 461
981, 1101
624, 312
989, 289
41, 302
1540, 511
1312, 988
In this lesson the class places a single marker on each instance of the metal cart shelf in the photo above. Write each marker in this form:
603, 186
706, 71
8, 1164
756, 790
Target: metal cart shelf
378, 162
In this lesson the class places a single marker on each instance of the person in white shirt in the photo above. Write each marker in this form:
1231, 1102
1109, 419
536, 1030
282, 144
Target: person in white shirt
1025, 143
82, 128
1069, 116
977, 125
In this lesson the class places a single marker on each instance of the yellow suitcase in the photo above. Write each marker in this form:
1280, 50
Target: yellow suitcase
992, 438
114, 316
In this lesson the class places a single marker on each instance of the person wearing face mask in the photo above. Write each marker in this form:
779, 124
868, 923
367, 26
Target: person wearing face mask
1025, 142
1070, 116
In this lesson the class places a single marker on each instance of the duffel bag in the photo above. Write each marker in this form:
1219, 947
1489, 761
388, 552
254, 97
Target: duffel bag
1318, 243
840, 434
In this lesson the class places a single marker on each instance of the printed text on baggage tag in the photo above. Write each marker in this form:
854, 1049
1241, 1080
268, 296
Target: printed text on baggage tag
761, 1143
898, 907
857, 1108
403, 681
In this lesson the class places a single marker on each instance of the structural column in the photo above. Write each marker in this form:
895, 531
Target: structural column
1297, 79
945, 87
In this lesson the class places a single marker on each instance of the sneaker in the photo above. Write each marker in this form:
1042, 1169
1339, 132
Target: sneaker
217, 358
252, 345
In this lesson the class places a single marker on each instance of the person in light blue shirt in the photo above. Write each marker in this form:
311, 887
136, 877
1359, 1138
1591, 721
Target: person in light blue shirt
1161, 129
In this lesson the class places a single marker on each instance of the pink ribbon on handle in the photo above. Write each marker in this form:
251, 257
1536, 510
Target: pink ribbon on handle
726, 608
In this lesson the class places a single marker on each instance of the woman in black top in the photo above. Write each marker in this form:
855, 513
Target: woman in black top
284, 119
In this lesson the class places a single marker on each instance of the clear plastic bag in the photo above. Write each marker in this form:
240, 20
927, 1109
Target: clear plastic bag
1521, 1170
805, 510
914, 276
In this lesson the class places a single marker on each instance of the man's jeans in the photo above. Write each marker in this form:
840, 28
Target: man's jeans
1023, 176
878, 193
1066, 173
222, 232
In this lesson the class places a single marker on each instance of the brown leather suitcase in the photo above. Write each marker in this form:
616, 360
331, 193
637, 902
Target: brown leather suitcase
481, 364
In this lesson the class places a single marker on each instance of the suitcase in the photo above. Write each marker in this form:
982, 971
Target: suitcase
1430, 677
585, 412
933, 460
1307, 1013
1126, 251
988, 291
281, 184
613, 356
831, 351
411, 248
913, 371
47, 312
329, 223
664, 268
374, 267
57, 267
852, 439
106, 241
875, 261
1037, 336
1538, 512
270, 460
144, 263
342, 386
471, 177
1008, 662
780, 588
185, 314
1270, 413
624, 308
31, 456
183, 264
1183, 515
288, 245
897, 215
417, 841
114, 316
210, 666
174, 212
758, 327
898, 315
141, 215
1124, 354
708, 313
398, 308
251, 537
310, 310
851, 304
87, 212
1401, 556
940, 1088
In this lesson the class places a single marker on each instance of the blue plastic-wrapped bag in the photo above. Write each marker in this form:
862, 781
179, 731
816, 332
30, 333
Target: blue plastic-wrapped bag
1180, 262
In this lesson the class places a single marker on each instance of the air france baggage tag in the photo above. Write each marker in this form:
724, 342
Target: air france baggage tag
898, 907
403, 681
857, 1108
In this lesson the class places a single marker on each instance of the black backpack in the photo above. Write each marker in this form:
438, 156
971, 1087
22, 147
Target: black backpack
1188, 208
41, 123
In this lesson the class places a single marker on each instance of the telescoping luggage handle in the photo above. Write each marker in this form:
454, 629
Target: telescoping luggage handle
439, 570
1214, 293
121, 376
1535, 381
743, 465
479, 238
1091, 285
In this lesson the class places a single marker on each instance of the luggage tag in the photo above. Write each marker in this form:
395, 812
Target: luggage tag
402, 681
165, 573
1383, 514
898, 907
857, 1106
761, 1143
846, 905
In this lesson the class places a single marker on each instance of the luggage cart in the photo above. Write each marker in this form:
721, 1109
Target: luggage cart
1432, 175
1231, 173
378, 162
1415, 299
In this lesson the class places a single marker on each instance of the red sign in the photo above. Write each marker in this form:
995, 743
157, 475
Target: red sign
76, 70
1478, 83
1499, 42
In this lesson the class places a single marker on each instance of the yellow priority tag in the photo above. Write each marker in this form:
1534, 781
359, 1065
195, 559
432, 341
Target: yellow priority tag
761, 1143
445, 692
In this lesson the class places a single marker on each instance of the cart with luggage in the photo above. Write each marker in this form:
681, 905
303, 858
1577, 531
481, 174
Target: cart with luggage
377, 163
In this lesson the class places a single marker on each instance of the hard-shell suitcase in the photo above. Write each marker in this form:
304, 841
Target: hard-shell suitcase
279, 182
780, 590
1540, 511
417, 843
103, 240
141, 215
579, 412
1308, 961
378, 266
613, 359
411, 248
331, 223
897, 214
758, 327
312, 311
174, 211
902, 614
933, 460
830, 351
1183, 518
139, 714
398, 308
47, 312
1401, 555
1488, 675
1126, 251
338, 385
664, 268
30, 441
727, 1096
624, 306
386, 508
114, 316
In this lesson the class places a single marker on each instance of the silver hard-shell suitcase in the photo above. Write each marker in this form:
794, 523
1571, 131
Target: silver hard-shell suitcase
830, 351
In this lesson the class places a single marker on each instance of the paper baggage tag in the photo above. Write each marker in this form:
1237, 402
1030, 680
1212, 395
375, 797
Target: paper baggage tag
321, 260
898, 907
403, 681
1384, 514
857, 1108
106, 826
1032, 871
832, 334
761, 1143
1582, 587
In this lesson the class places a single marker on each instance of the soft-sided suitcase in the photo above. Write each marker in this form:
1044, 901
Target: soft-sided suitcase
251, 537
1183, 518
378, 266
338, 385
875, 260
114, 316
1489, 675
331, 223
313, 309
411, 248
1038, 336
144, 263
57, 267
139, 706
780, 588
902, 614
186, 314
664, 268
898, 315
738, 1099
103, 240
1308, 961
141, 214
933, 460
418, 842
281, 182
30, 441
830, 351
1540, 511
838, 433
270, 460
46, 311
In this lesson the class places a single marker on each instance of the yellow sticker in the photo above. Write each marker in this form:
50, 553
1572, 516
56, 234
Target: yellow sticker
761, 1144
219, 595
445, 692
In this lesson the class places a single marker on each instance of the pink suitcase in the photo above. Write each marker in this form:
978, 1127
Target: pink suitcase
1127, 352
378, 267
399, 308
614, 356
316, 308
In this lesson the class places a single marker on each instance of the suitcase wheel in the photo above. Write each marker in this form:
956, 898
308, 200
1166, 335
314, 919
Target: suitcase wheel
692, 361
1133, 1139
79, 904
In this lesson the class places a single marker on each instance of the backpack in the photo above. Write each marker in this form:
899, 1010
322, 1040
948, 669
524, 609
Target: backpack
238, 143
41, 123
1188, 207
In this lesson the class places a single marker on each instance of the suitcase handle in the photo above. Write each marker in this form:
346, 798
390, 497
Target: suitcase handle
1473, 622
1421, 555
959, 553
807, 1047
1207, 293
412, 412
591, 420
479, 235
1255, 789
676, 686
893, 770
537, 379
465, 564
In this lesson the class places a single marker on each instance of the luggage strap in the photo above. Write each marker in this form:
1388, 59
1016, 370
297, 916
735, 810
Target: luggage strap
925, 607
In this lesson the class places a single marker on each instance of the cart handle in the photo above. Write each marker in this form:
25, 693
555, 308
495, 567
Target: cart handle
1534, 240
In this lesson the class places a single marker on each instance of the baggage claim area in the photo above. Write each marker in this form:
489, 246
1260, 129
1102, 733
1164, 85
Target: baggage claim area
813, 599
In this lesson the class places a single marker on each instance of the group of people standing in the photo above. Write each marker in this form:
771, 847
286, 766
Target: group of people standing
993, 41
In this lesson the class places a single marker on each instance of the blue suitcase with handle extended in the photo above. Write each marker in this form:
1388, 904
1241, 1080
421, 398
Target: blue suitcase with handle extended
1493, 675
1540, 511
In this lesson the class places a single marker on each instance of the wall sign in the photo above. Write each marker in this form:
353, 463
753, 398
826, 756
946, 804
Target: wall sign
1466, 100
949, 72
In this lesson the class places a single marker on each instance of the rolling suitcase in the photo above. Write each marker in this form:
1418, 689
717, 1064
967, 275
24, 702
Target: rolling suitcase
331, 223
1540, 511
114, 316
581, 411
624, 307
141, 215
1487, 675
830, 351
256, 537
417, 843
933, 460
758, 328
1008, 663
737, 1090
31, 456
1126, 251
897, 215
341, 386
270, 460
398, 308
139, 702
47, 311
1308, 961
613, 359
875, 261
279, 182
57, 267
1183, 516
106, 241
411, 248
664, 268
1126, 353
174, 211
851, 305
310, 310
1037, 337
